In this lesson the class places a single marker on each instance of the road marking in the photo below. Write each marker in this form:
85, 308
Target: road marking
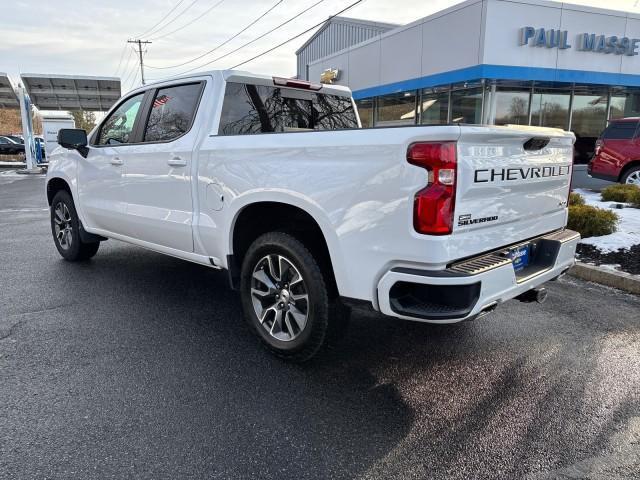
14, 210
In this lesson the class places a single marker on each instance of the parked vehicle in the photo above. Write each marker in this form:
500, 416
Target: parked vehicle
8, 146
15, 138
617, 153
429, 223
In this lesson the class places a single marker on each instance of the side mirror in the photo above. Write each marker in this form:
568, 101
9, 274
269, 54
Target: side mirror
73, 139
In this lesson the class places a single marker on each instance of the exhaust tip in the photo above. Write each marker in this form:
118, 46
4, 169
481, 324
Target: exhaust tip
538, 295
488, 309
541, 294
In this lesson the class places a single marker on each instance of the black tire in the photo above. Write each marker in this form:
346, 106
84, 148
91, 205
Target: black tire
64, 217
635, 171
303, 344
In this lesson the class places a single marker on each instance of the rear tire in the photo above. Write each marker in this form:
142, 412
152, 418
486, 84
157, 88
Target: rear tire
65, 228
631, 176
285, 297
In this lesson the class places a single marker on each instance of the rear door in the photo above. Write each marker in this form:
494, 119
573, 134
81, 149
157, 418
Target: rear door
516, 179
157, 185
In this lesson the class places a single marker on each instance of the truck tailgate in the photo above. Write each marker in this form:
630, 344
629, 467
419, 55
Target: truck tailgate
511, 175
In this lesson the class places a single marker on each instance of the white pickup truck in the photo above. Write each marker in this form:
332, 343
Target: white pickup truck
274, 181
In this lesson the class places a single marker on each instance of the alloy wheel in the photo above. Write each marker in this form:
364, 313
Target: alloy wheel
279, 297
62, 225
634, 178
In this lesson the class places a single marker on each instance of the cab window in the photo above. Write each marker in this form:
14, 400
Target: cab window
118, 127
172, 112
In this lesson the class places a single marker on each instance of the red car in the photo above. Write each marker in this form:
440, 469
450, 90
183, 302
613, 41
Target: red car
617, 154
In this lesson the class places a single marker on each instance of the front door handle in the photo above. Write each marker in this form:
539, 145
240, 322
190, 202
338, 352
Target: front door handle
116, 161
177, 162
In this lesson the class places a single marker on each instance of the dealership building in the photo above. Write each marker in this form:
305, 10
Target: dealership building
531, 62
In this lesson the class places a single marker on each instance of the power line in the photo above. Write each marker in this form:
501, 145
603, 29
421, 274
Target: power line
134, 79
124, 50
298, 35
127, 63
127, 80
173, 19
223, 43
189, 23
256, 39
126, 70
131, 70
161, 20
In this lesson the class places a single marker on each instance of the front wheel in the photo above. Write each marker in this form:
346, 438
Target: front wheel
65, 227
284, 296
632, 177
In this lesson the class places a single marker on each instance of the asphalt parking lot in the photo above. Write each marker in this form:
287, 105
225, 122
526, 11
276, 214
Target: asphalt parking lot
137, 365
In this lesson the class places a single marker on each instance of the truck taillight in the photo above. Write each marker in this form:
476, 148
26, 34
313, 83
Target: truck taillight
434, 205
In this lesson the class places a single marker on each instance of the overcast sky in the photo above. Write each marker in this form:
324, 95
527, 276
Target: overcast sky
88, 37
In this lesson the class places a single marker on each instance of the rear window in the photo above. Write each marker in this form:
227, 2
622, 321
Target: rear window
620, 131
249, 109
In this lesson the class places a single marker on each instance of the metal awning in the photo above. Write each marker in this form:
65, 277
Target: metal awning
8, 97
71, 92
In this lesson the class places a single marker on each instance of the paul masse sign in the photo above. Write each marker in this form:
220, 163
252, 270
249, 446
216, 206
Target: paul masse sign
586, 42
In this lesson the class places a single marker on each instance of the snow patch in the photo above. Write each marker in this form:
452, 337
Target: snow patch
628, 233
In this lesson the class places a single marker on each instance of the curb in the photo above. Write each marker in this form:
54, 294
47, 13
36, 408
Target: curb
621, 280
12, 165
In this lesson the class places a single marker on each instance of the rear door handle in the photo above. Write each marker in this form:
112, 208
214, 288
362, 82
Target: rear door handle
177, 162
116, 161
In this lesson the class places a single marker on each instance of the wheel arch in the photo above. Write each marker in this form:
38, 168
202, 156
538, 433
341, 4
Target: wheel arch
627, 167
262, 216
54, 185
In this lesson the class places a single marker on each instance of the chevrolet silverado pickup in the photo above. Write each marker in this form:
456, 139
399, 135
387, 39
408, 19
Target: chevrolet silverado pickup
275, 181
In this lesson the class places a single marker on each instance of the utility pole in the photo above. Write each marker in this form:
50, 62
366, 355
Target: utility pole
140, 42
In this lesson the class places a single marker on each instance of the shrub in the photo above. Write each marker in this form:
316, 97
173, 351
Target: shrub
634, 198
618, 193
575, 199
592, 221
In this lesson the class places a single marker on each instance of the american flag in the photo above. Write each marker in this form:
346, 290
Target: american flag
161, 100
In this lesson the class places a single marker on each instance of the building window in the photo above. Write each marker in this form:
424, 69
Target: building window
512, 107
632, 105
550, 108
588, 120
617, 106
396, 109
365, 110
589, 113
434, 107
466, 105
624, 105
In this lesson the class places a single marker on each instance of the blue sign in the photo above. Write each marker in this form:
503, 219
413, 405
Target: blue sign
586, 42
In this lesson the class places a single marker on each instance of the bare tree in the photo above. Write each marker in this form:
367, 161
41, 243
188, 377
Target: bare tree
84, 120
